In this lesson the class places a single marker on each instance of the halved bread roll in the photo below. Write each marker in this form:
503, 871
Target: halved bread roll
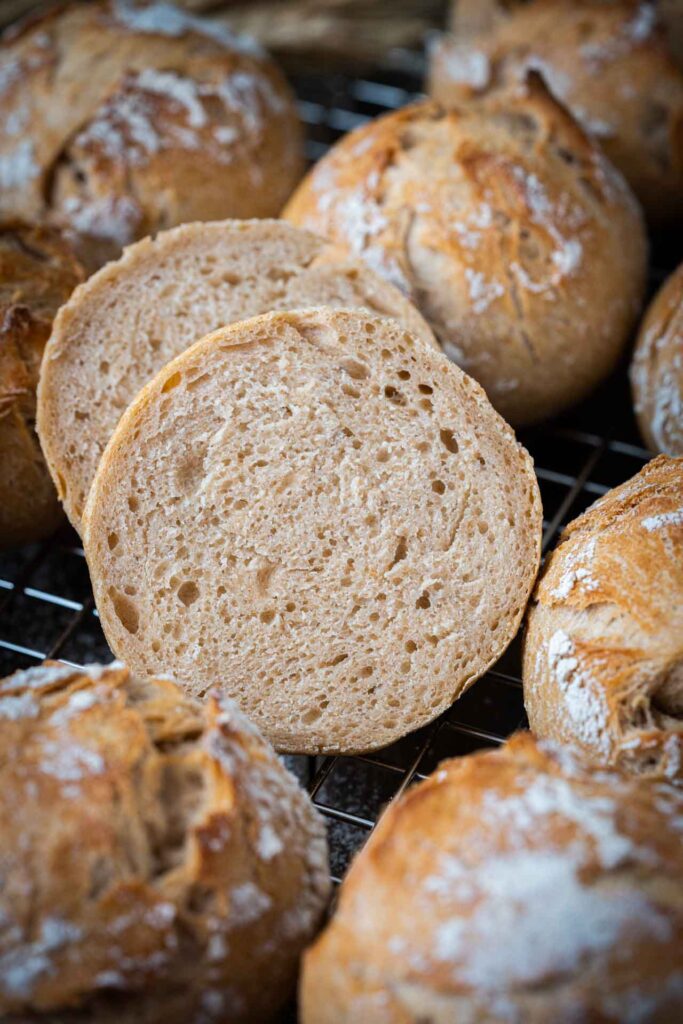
323, 512
135, 315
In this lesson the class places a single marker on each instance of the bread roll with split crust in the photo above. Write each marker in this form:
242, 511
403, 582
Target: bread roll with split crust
498, 219
135, 315
324, 511
158, 860
603, 655
657, 369
513, 885
121, 120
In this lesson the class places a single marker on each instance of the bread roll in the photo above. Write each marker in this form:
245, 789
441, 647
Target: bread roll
512, 885
135, 315
657, 369
603, 655
609, 62
159, 864
120, 121
38, 271
318, 508
498, 219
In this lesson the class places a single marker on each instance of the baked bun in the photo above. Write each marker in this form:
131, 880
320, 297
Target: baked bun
657, 369
498, 219
38, 271
160, 865
119, 121
609, 62
603, 655
135, 315
512, 885
322, 510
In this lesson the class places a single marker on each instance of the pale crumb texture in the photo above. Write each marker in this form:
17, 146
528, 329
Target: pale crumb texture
163, 294
657, 369
118, 122
158, 861
609, 63
513, 887
497, 218
603, 653
325, 514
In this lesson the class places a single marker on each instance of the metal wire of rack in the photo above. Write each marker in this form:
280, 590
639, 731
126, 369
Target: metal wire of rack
47, 608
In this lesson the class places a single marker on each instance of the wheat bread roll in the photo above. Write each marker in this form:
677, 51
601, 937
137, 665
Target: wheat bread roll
513, 885
657, 369
610, 63
321, 508
137, 314
498, 218
38, 272
160, 865
121, 120
603, 653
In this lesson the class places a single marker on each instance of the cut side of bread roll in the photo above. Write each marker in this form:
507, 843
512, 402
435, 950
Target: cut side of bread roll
323, 512
135, 315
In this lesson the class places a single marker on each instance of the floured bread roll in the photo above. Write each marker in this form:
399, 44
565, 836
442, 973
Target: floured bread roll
119, 120
137, 314
158, 861
509, 886
323, 511
657, 369
603, 656
498, 218
611, 65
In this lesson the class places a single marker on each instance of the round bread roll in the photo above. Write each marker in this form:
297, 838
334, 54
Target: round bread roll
38, 272
603, 655
498, 218
509, 886
160, 866
323, 511
610, 64
657, 369
119, 121
135, 315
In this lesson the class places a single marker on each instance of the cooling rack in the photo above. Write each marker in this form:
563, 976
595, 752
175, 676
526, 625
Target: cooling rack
46, 604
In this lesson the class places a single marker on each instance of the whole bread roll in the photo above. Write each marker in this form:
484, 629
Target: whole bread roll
611, 65
513, 885
38, 272
603, 654
657, 369
160, 866
119, 121
321, 509
498, 219
137, 314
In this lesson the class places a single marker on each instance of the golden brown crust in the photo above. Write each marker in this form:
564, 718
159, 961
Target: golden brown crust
509, 886
38, 272
609, 62
603, 656
158, 861
121, 122
497, 219
657, 369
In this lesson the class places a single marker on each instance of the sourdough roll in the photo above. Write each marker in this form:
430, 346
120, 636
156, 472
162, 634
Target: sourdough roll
320, 509
657, 369
120, 120
137, 314
610, 63
498, 218
159, 863
603, 654
509, 886
38, 272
